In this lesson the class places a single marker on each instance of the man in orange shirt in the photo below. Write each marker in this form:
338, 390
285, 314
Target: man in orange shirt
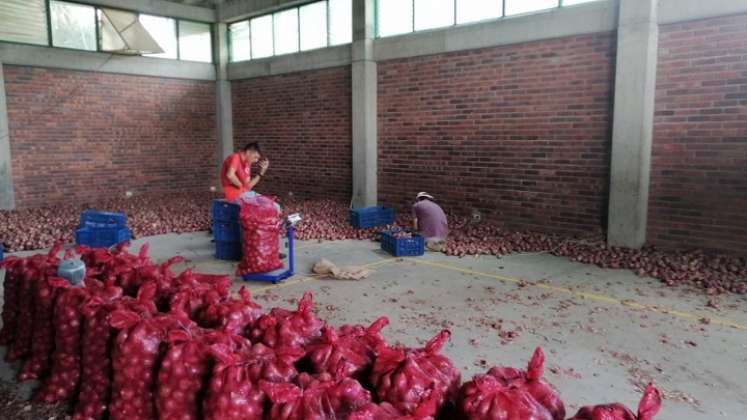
236, 172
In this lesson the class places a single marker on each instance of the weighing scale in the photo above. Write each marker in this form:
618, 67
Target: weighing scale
280, 274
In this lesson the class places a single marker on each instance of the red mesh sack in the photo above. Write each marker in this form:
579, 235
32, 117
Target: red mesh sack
409, 378
349, 353
386, 411
320, 397
193, 293
648, 408
42, 341
14, 268
138, 349
20, 347
284, 328
98, 337
260, 230
233, 316
528, 385
185, 370
62, 383
234, 391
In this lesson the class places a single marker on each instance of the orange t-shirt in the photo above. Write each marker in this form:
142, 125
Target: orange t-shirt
243, 173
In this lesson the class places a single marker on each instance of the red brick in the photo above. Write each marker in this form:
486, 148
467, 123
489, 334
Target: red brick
79, 136
699, 164
303, 122
521, 133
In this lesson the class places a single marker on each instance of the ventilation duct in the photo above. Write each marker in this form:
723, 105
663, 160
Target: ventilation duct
122, 33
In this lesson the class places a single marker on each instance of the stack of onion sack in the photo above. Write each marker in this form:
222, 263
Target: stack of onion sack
283, 328
95, 389
648, 408
21, 283
184, 371
410, 379
349, 352
138, 349
315, 397
512, 394
234, 392
260, 230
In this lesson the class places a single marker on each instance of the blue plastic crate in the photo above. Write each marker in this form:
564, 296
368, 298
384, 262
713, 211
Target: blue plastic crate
101, 219
228, 251
1, 253
369, 217
403, 247
102, 237
227, 231
224, 211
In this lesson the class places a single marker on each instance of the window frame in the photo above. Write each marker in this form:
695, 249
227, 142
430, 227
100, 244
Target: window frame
97, 9
271, 13
377, 34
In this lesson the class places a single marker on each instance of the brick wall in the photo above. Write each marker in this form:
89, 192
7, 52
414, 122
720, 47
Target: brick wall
699, 170
303, 121
520, 133
81, 136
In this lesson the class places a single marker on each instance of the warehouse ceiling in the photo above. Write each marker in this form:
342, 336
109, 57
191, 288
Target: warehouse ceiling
203, 3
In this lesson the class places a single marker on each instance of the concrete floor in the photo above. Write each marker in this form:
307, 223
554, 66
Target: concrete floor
605, 332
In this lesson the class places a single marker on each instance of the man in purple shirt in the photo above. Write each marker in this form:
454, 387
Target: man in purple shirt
429, 219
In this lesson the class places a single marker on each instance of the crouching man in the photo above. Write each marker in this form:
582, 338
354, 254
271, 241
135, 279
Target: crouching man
430, 221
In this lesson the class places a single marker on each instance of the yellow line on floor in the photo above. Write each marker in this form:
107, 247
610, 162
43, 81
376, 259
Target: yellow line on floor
297, 279
590, 296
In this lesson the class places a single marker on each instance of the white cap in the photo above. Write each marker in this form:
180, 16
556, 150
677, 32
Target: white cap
424, 194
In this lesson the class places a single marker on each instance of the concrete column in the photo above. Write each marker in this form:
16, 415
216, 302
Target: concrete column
7, 196
364, 79
635, 88
224, 107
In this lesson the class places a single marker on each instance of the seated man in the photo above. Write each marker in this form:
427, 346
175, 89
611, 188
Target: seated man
236, 172
430, 221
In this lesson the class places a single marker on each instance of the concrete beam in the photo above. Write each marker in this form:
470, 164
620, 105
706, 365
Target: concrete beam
633, 125
239, 9
29, 55
365, 107
7, 195
161, 7
673, 11
556, 23
291, 63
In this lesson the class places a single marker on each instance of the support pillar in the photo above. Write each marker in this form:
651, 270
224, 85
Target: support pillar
364, 79
635, 88
7, 195
224, 106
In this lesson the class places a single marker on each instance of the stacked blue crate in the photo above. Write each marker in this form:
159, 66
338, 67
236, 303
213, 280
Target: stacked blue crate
226, 230
101, 229
364, 218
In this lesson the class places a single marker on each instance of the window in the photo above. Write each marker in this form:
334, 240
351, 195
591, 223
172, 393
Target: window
476, 10
195, 41
261, 36
394, 17
163, 31
313, 23
241, 47
572, 2
431, 14
24, 21
285, 31
340, 22
515, 7
73, 25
